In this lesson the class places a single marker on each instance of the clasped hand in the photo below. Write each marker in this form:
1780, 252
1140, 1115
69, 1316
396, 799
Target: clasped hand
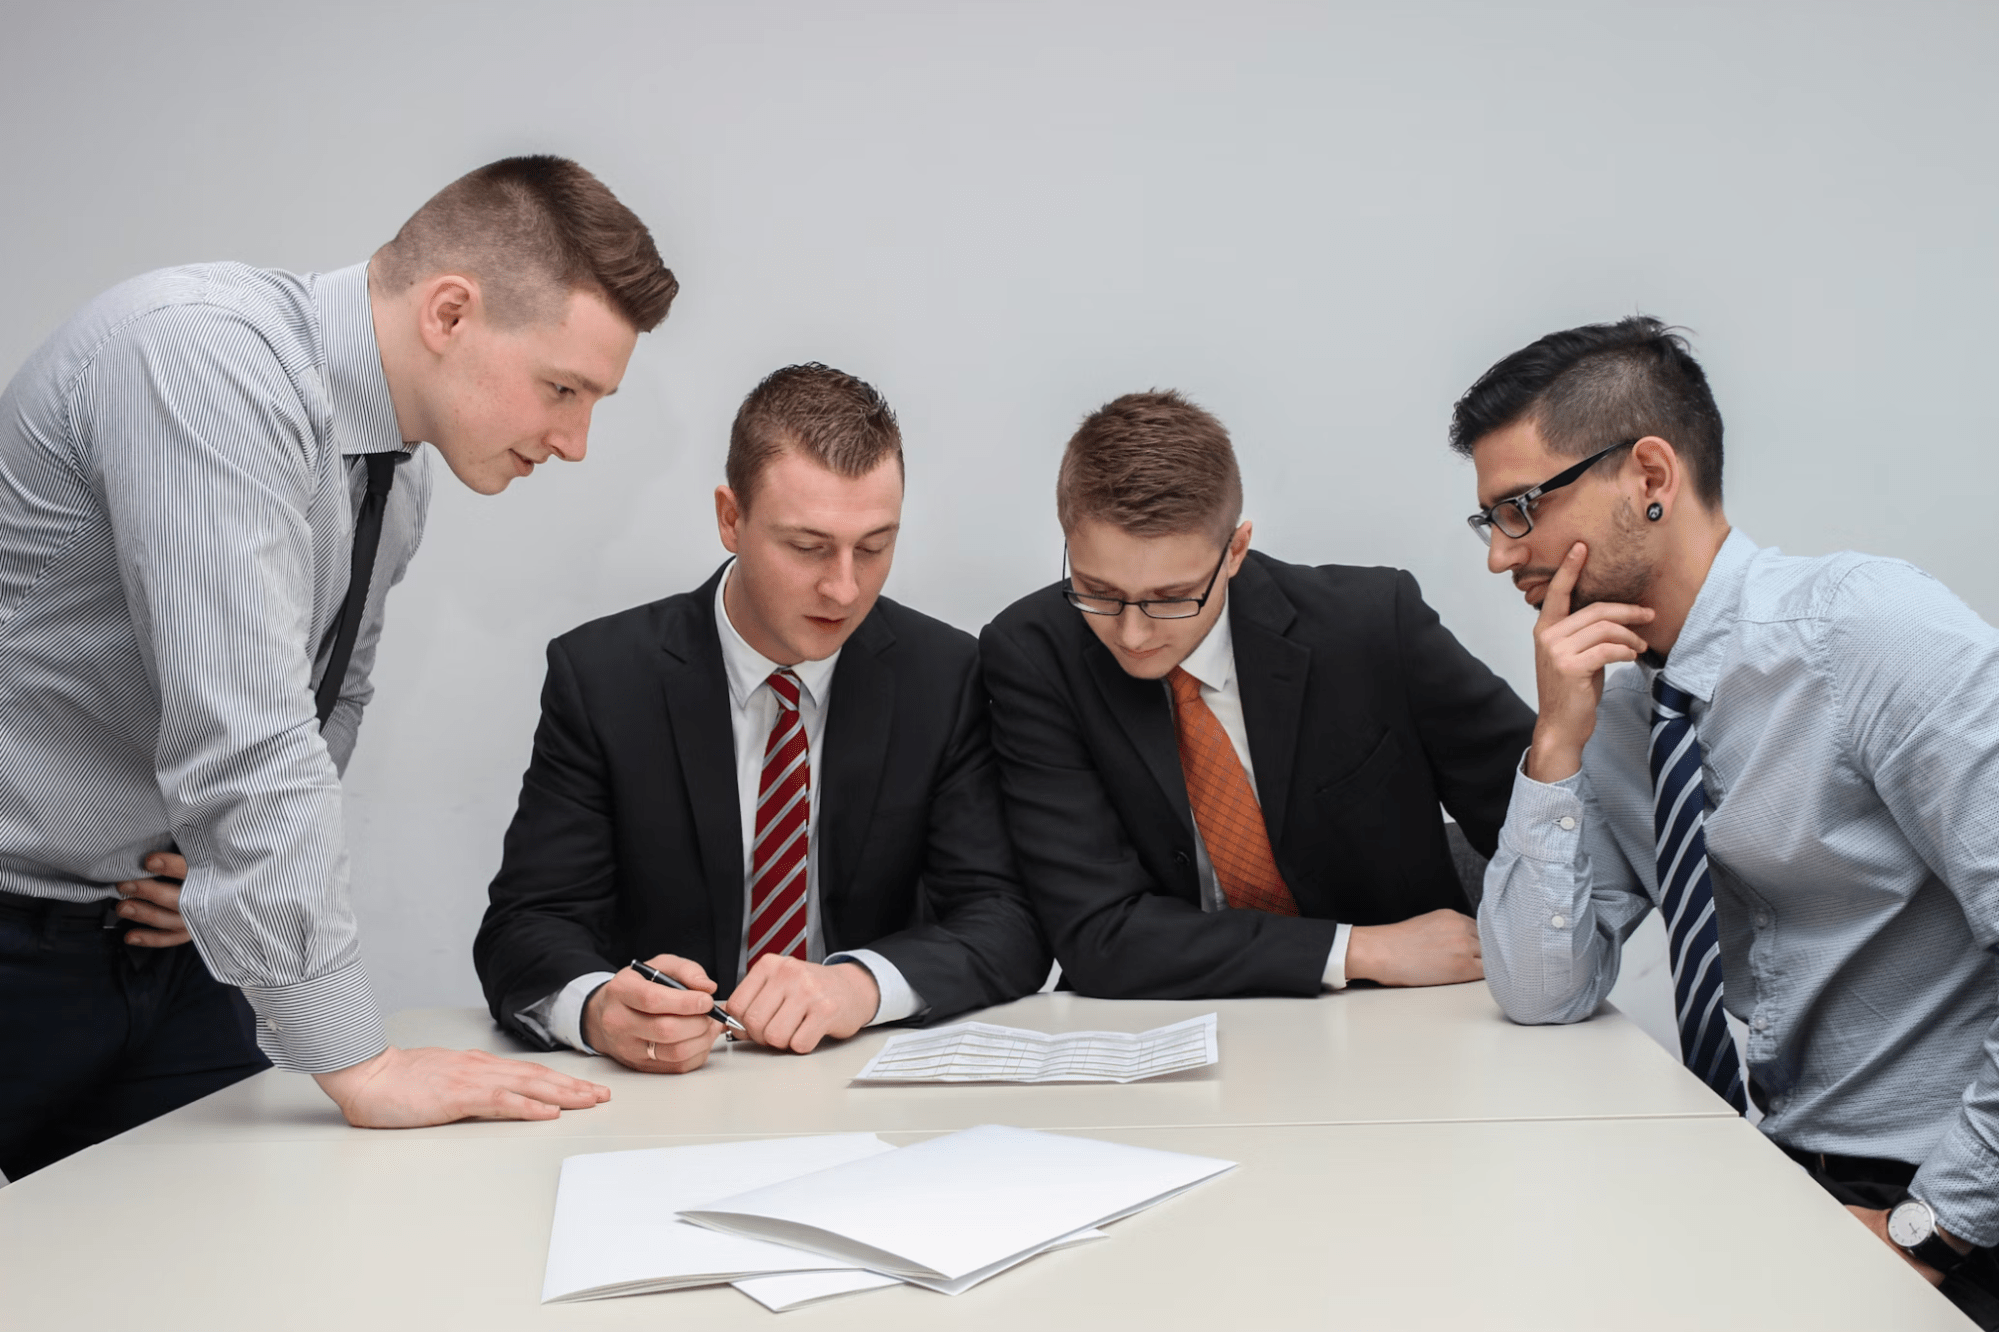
784, 1003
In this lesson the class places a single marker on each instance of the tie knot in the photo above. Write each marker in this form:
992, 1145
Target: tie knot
785, 686
1185, 688
1670, 699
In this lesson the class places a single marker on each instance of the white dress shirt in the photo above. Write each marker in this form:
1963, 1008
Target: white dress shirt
1212, 663
752, 710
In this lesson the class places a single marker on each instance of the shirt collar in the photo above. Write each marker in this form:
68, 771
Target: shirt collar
1695, 662
364, 416
747, 668
1213, 660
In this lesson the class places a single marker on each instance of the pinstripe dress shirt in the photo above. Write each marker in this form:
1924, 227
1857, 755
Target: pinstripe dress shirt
180, 465
1848, 712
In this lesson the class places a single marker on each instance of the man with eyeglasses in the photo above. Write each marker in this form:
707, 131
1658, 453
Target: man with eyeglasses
1223, 772
1795, 760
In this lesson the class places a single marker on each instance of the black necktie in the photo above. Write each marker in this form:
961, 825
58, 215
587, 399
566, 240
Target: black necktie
367, 538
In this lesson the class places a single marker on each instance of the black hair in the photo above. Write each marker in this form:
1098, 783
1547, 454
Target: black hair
1588, 388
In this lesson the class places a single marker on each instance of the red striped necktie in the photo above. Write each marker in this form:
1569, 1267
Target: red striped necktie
784, 832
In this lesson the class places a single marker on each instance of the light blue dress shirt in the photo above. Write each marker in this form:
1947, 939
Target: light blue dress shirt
1848, 713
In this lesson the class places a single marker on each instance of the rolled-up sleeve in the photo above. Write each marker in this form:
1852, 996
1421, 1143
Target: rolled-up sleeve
1560, 900
208, 464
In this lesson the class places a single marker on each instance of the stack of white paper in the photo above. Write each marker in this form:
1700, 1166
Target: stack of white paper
616, 1234
951, 1212
985, 1053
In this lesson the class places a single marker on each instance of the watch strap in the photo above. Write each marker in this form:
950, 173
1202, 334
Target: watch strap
1937, 1253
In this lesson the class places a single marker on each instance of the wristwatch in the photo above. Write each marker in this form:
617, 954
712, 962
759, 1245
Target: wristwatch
1913, 1227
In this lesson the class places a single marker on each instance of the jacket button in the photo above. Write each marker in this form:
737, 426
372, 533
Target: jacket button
1180, 859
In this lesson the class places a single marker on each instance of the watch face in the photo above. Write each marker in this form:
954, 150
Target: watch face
1911, 1223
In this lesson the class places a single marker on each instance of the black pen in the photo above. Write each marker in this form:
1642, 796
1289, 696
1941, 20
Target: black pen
717, 1012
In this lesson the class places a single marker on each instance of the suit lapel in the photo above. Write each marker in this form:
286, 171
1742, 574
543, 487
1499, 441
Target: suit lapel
1140, 709
697, 701
850, 770
1271, 672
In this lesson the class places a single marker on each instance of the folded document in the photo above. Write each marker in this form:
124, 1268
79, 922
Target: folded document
986, 1053
950, 1212
615, 1232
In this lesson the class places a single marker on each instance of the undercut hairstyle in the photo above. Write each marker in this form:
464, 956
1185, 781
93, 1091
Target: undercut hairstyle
839, 422
532, 230
1151, 464
1588, 388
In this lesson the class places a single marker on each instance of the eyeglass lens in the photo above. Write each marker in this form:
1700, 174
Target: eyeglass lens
1175, 609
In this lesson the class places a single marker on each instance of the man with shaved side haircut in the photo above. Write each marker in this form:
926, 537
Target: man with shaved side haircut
1795, 760
210, 477
777, 789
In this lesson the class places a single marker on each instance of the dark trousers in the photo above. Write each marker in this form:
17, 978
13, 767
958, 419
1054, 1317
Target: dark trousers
97, 1036
1876, 1182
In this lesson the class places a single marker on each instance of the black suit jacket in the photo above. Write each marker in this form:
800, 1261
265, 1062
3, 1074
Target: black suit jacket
628, 839
1363, 714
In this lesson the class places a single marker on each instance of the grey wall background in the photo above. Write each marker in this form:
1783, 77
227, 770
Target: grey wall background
1323, 221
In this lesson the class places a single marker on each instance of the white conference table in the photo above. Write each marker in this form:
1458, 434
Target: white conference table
1360, 1057
1406, 1161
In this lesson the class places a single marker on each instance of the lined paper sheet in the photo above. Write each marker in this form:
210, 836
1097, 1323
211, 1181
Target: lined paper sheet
987, 1053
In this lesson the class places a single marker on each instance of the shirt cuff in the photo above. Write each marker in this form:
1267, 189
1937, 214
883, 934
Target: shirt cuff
560, 1015
1544, 820
318, 1026
898, 999
1336, 961
1957, 1181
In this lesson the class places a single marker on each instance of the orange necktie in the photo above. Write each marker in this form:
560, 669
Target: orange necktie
1225, 808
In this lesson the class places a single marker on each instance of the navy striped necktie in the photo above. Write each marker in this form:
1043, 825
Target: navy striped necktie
1686, 894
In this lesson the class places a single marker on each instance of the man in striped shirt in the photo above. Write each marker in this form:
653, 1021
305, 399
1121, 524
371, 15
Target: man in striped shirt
209, 478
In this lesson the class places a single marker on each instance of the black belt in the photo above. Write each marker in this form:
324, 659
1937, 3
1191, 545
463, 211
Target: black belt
1835, 1166
101, 912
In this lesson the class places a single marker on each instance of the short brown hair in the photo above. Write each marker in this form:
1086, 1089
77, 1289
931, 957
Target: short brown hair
532, 230
1151, 464
839, 422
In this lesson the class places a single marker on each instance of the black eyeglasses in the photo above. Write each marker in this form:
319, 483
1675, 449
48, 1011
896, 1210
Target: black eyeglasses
1514, 515
1159, 608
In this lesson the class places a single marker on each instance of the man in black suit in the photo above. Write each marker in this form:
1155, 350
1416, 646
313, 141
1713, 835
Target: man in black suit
1223, 772
779, 787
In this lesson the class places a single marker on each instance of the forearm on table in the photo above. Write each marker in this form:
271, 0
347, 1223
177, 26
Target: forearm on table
1548, 956
526, 958
1159, 948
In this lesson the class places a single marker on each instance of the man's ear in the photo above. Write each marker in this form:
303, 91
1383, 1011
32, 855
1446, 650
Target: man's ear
445, 303
1238, 546
728, 519
1659, 473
